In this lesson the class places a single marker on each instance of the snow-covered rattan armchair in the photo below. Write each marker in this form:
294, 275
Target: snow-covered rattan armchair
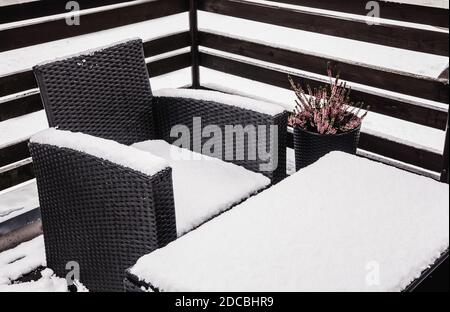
101, 209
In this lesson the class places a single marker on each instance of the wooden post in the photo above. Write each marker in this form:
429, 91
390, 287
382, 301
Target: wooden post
193, 30
444, 172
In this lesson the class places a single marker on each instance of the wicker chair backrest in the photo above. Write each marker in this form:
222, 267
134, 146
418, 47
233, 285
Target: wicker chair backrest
105, 93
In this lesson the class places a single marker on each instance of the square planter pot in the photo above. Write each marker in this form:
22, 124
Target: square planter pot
310, 146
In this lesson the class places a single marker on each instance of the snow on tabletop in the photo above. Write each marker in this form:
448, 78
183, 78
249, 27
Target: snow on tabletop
342, 224
232, 100
105, 149
203, 186
21, 260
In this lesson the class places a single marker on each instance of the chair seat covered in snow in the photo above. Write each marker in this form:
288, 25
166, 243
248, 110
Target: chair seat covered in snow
342, 224
203, 186
103, 203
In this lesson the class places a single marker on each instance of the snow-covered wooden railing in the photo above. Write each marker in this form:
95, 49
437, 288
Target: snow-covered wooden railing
15, 162
417, 90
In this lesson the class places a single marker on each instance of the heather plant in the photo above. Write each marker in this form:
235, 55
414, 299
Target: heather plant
327, 109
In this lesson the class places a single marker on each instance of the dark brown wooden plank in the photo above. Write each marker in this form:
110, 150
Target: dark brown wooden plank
394, 108
444, 74
32, 103
14, 153
389, 10
16, 176
23, 11
167, 44
193, 30
22, 81
405, 83
20, 106
170, 64
17, 82
394, 150
402, 152
384, 34
13, 38
445, 161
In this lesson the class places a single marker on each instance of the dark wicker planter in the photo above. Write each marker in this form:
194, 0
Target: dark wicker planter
310, 146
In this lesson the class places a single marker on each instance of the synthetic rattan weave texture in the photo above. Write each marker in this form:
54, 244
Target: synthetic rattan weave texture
309, 147
100, 214
169, 112
104, 93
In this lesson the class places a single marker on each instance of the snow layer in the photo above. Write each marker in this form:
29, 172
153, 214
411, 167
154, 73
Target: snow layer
343, 224
21, 260
203, 186
18, 199
25, 58
334, 47
47, 283
232, 100
25, 258
104, 149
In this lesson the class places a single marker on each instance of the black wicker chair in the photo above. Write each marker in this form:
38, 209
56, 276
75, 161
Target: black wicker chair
99, 213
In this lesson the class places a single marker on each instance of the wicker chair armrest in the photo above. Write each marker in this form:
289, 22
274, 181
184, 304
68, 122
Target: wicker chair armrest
175, 108
102, 213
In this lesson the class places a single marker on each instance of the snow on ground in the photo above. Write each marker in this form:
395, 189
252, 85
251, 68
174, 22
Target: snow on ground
18, 200
21, 260
280, 240
25, 258
195, 203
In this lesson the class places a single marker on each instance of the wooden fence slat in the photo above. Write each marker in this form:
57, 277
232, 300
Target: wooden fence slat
398, 151
22, 81
402, 152
445, 160
16, 176
388, 9
415, 39
403, 110
22, 36
17, 82
20, 106
167, 44
14, 153
168, 65
384, 147
193, 30
32, 103
28, 10
405, 83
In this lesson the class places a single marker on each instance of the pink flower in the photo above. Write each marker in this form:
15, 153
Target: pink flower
326, 110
